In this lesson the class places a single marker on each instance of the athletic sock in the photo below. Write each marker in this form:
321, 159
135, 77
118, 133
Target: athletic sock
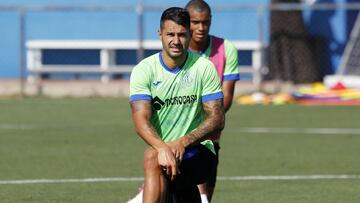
137, 198
204, 198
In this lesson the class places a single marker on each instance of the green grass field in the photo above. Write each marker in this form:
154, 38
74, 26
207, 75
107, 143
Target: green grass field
65, 139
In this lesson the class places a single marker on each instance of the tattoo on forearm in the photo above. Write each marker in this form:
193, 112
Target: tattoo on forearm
149, 128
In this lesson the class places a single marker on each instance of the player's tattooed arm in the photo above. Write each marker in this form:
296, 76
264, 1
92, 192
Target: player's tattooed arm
141, 114
214, 122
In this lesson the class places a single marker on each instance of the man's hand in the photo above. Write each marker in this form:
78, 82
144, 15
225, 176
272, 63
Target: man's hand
178, 149
167, 159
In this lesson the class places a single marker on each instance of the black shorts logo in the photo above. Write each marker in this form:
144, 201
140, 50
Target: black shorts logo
157, 103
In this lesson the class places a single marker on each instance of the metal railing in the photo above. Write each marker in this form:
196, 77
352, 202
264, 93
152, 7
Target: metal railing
108, 48
140, 8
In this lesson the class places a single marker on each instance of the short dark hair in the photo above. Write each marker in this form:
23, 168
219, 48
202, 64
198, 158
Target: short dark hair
198, 5
176, 14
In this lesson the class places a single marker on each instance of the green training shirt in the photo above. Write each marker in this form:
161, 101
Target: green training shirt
176, 95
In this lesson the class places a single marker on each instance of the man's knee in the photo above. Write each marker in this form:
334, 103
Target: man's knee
150, 159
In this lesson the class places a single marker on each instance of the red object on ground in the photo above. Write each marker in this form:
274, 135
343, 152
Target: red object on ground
338, 86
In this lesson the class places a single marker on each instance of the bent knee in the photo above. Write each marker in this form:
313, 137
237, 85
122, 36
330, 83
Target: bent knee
150, 158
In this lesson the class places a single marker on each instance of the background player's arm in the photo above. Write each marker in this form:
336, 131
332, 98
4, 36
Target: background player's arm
214, 121
141, 113
228, 87
231, 69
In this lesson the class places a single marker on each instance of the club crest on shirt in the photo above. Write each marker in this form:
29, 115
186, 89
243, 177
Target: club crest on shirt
186, 80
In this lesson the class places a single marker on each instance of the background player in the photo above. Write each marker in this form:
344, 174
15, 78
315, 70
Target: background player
224, 56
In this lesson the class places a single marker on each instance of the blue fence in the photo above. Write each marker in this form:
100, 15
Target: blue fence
235, 20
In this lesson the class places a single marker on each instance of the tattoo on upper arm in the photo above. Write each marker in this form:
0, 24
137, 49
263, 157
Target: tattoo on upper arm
142, 105
214, 115
213, 107
141, 113
214, 121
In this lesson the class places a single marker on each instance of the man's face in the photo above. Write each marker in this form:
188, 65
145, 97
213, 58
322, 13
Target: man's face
200, 24
175, 39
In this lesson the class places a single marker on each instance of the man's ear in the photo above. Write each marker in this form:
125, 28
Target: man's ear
159, 33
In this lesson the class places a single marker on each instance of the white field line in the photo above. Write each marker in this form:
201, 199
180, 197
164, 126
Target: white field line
293, 177
327, 131
83, 180
220, 178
